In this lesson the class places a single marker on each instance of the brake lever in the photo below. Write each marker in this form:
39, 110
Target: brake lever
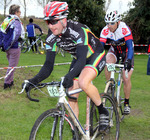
24, 86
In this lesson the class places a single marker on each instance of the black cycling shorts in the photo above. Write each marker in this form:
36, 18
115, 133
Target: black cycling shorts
96, 62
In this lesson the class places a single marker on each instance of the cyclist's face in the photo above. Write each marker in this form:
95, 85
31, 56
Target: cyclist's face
112, 26
56, 26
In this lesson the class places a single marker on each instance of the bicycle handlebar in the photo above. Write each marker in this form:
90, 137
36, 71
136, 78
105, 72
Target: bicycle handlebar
74, 98
118, 66
41, 85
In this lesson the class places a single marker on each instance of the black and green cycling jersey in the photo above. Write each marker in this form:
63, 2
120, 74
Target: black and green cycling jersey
75, 34
78, 40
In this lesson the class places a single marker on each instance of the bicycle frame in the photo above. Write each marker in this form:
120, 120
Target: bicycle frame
85, 133
63, 103
117, 86
34, 42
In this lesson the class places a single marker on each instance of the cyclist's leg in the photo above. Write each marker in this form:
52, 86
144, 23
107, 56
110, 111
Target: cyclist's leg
88, 74
73, 103
127, 89
34, 39
110, 58
31, 39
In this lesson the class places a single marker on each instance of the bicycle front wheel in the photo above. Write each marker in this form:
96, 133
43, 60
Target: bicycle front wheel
48, 126
112, 132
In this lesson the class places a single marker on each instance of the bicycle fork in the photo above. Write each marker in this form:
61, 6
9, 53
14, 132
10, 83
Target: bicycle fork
62, 114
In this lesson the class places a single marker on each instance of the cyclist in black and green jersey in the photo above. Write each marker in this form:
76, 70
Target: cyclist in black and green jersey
86, 49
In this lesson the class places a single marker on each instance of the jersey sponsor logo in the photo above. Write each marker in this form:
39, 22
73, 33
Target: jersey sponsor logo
105, 32
79, 41
101, 65
50, 38
124, 31
48, 47
73, 32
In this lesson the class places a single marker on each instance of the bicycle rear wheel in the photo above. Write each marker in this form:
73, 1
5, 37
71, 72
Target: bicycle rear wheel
47, 127
112, 133
24, 46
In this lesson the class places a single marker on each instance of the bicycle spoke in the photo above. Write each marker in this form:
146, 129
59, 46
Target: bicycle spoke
112, 132
47, 127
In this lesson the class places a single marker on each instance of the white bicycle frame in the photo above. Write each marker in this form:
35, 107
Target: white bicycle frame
119, 80
85, 133
62, 100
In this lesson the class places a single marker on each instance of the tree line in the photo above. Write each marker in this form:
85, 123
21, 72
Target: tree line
92, 12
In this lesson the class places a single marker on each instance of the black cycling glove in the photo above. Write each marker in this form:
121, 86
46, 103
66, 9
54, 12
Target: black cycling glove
68, 82
127, 65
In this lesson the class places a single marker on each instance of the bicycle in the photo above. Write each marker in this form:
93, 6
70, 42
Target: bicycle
113, 87
60, 51
26, 46
61, 122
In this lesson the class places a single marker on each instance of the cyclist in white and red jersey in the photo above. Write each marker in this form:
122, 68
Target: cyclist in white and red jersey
119, 35
86, 49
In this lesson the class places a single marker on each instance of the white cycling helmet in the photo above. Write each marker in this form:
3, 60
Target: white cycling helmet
56, 9
112, 16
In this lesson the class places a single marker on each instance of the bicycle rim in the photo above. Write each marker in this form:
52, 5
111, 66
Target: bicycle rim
24, 47
112, 133
47, 127
40, 47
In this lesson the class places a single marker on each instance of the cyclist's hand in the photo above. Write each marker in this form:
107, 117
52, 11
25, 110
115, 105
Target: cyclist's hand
127, 65
28, 87
67, 83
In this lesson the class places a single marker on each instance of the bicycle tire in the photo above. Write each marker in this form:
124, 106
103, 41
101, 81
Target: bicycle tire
24, 46
43, 127
111, 91
112, 133
40, 47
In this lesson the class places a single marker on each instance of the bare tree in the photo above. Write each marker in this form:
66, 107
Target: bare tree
24, 5
43, 2
5, 3
107, 6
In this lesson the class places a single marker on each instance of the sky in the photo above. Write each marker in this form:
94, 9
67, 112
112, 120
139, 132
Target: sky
37, 11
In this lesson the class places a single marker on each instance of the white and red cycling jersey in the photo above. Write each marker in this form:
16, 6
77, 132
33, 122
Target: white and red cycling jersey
121, 40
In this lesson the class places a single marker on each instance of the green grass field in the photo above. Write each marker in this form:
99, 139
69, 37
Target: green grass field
18, 114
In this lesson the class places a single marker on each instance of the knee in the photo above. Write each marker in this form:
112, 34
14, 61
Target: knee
126, 81
83, 84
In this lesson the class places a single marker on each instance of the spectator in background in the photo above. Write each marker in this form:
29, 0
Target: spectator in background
148, 63
149, 45
31, 32
11, 30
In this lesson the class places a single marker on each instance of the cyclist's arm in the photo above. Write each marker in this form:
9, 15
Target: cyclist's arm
103, 42
46, 69
38, 27
129, 44
80, 63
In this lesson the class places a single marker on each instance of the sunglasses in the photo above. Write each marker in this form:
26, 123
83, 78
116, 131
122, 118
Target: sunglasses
52, 22
110, 23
